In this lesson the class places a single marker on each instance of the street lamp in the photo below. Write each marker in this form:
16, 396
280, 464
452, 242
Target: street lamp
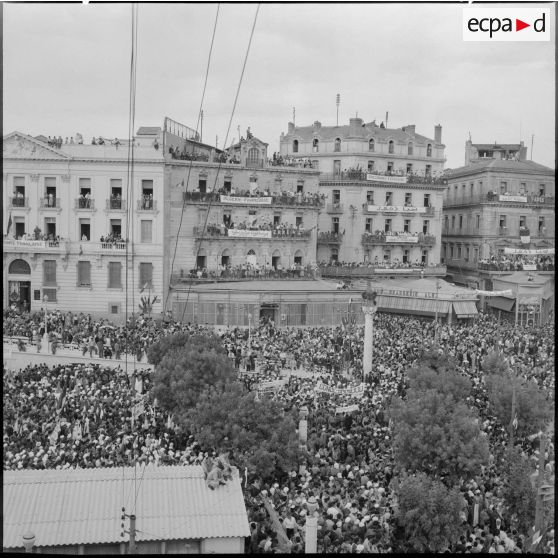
28, 541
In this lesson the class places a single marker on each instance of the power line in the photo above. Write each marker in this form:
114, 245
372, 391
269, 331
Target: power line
200, 112
225, 143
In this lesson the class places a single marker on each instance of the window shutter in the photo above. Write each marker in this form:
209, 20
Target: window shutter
115, 275
84, 274
146, 274
147, 231
49, 272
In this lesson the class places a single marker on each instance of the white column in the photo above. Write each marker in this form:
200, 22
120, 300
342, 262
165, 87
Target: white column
311, 535
369, 312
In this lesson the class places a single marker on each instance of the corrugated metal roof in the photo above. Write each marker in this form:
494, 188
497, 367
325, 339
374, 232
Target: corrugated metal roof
465, 308
83, 506
148, 130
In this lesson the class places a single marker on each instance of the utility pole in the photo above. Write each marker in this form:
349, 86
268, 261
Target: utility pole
513, 420
201, 125
337, 101
532, 140
294, 116
132, 549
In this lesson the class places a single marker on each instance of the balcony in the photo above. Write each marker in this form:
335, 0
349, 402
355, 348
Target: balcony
364, 271
50, 203
147, 205
503, 231
19, 201
330, 237
112, 247
115, 204
213, 232
370, 209
390, 178
519, 199
334, 208
379, 239
296, 200
87, 204
236, 274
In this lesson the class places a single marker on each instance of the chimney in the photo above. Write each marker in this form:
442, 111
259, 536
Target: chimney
317, 125
291, 128
522, 152
354, 125
410, 129
438, 133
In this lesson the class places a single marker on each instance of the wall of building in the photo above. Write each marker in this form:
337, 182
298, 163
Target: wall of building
224, 545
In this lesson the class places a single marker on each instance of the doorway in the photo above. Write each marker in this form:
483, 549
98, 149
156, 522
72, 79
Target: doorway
269, 312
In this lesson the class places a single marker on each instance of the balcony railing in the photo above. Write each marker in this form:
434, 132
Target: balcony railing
330, 237
375, 239
116, 204
313, 200
370, 208
216, 276
335, 208
212, 232
48, 203
147, 205
113, 246
12, 244
371, 269
19, 201
503, 231
353, 175
84, 203
500, 198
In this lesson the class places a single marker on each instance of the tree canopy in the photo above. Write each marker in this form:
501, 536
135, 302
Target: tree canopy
179, 341
429, 513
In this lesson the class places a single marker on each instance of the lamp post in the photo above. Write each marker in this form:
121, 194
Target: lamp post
45, 336
369, 308
29, 541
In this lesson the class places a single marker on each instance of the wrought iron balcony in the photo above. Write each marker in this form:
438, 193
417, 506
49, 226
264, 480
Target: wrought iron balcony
330, 237
19, 201
50, 203
84, 203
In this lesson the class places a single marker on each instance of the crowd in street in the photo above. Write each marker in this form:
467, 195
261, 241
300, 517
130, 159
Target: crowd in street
87, 416
515, 262
247, 270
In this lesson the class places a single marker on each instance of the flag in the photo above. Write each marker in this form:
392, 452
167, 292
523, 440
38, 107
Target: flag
144, 287
9, 223
514, 422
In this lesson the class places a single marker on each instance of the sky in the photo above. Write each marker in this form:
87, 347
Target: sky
66, 70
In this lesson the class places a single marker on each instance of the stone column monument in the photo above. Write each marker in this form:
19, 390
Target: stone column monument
369, 308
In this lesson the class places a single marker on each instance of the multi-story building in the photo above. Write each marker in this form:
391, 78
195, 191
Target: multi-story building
494, 210
367, 147
482, 151
237, 220
84, 227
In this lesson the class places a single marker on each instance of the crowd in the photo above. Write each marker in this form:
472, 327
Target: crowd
186, 155
279, 160
58, 142
285, 197
377, 264
82, 416
516, 262
358, 173
248, 270
112, 238
277, 229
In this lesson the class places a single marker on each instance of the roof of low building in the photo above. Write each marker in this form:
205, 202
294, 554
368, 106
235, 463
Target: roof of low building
149, 130
256, 286
497, 145
84, 506
501, 165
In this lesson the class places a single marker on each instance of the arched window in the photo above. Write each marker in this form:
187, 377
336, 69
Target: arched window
390, 146
20, 267
298, 257
429, 150
334, 254
295, 146
337, 146
410, 148
371, 144
315, 145
251, 257
253, 156
225, 257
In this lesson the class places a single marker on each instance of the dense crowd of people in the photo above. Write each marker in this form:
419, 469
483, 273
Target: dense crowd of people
277, 229
248, 270
518, 262
91, 416
377, 263
284, 197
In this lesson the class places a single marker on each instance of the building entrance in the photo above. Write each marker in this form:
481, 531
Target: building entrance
269, 312
20, 294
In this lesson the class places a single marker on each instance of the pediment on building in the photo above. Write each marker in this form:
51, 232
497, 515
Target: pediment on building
21, 146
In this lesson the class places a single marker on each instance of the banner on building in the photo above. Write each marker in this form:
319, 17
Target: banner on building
244, 200
396, 209
529, 267
507, 292
529, 252
386, 178
357, 391
30, 243
347, 409
271, 385
239, 233
525, 239
507, 198
406, 271
402, 238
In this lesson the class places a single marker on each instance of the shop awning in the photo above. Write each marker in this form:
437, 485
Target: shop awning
465, 309
414, 305
501, 303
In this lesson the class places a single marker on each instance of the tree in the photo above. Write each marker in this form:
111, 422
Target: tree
258, 434
170, 343
435, 434
494, 363
519, 493
184, 373
429, 513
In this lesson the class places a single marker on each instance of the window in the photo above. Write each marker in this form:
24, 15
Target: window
542, 228
409, 168
522, 221
428, 170
542, 190
407, 225
116, 227
227, 185
475, 255
146, 275
371, 144
50, 294
477, 221
466, 253
335, 224
115, 275
334, 254
453, 221
84, 230
315, 145
503, 187
315, 164
460, 222
336, 167
114, 308
469, 218
390, 146
405, 256
202, 185
277, 219
19, 224
146, 231
370, 197
295, 146
387, 255
300, 187
50, 191
451, 251
429, 150
522, 188
424, 257
146, 194
471, 189
446, 222
502, 221
368, 225
50, 226
389, 197
84, 186
459, 251
298, 221
370, 166
387, 226
337, 144
408, 198
425, 226
426, 200
116, 193
49, 272
254, 157
463, 192
390, 166
336, 197
480, 186
84, 274
410, 148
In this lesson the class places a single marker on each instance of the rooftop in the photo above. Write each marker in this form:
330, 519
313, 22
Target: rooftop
504, 165
83, 506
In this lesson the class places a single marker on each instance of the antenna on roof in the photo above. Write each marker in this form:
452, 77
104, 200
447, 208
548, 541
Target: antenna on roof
387, 114
294, 116
337, 101
532, 140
